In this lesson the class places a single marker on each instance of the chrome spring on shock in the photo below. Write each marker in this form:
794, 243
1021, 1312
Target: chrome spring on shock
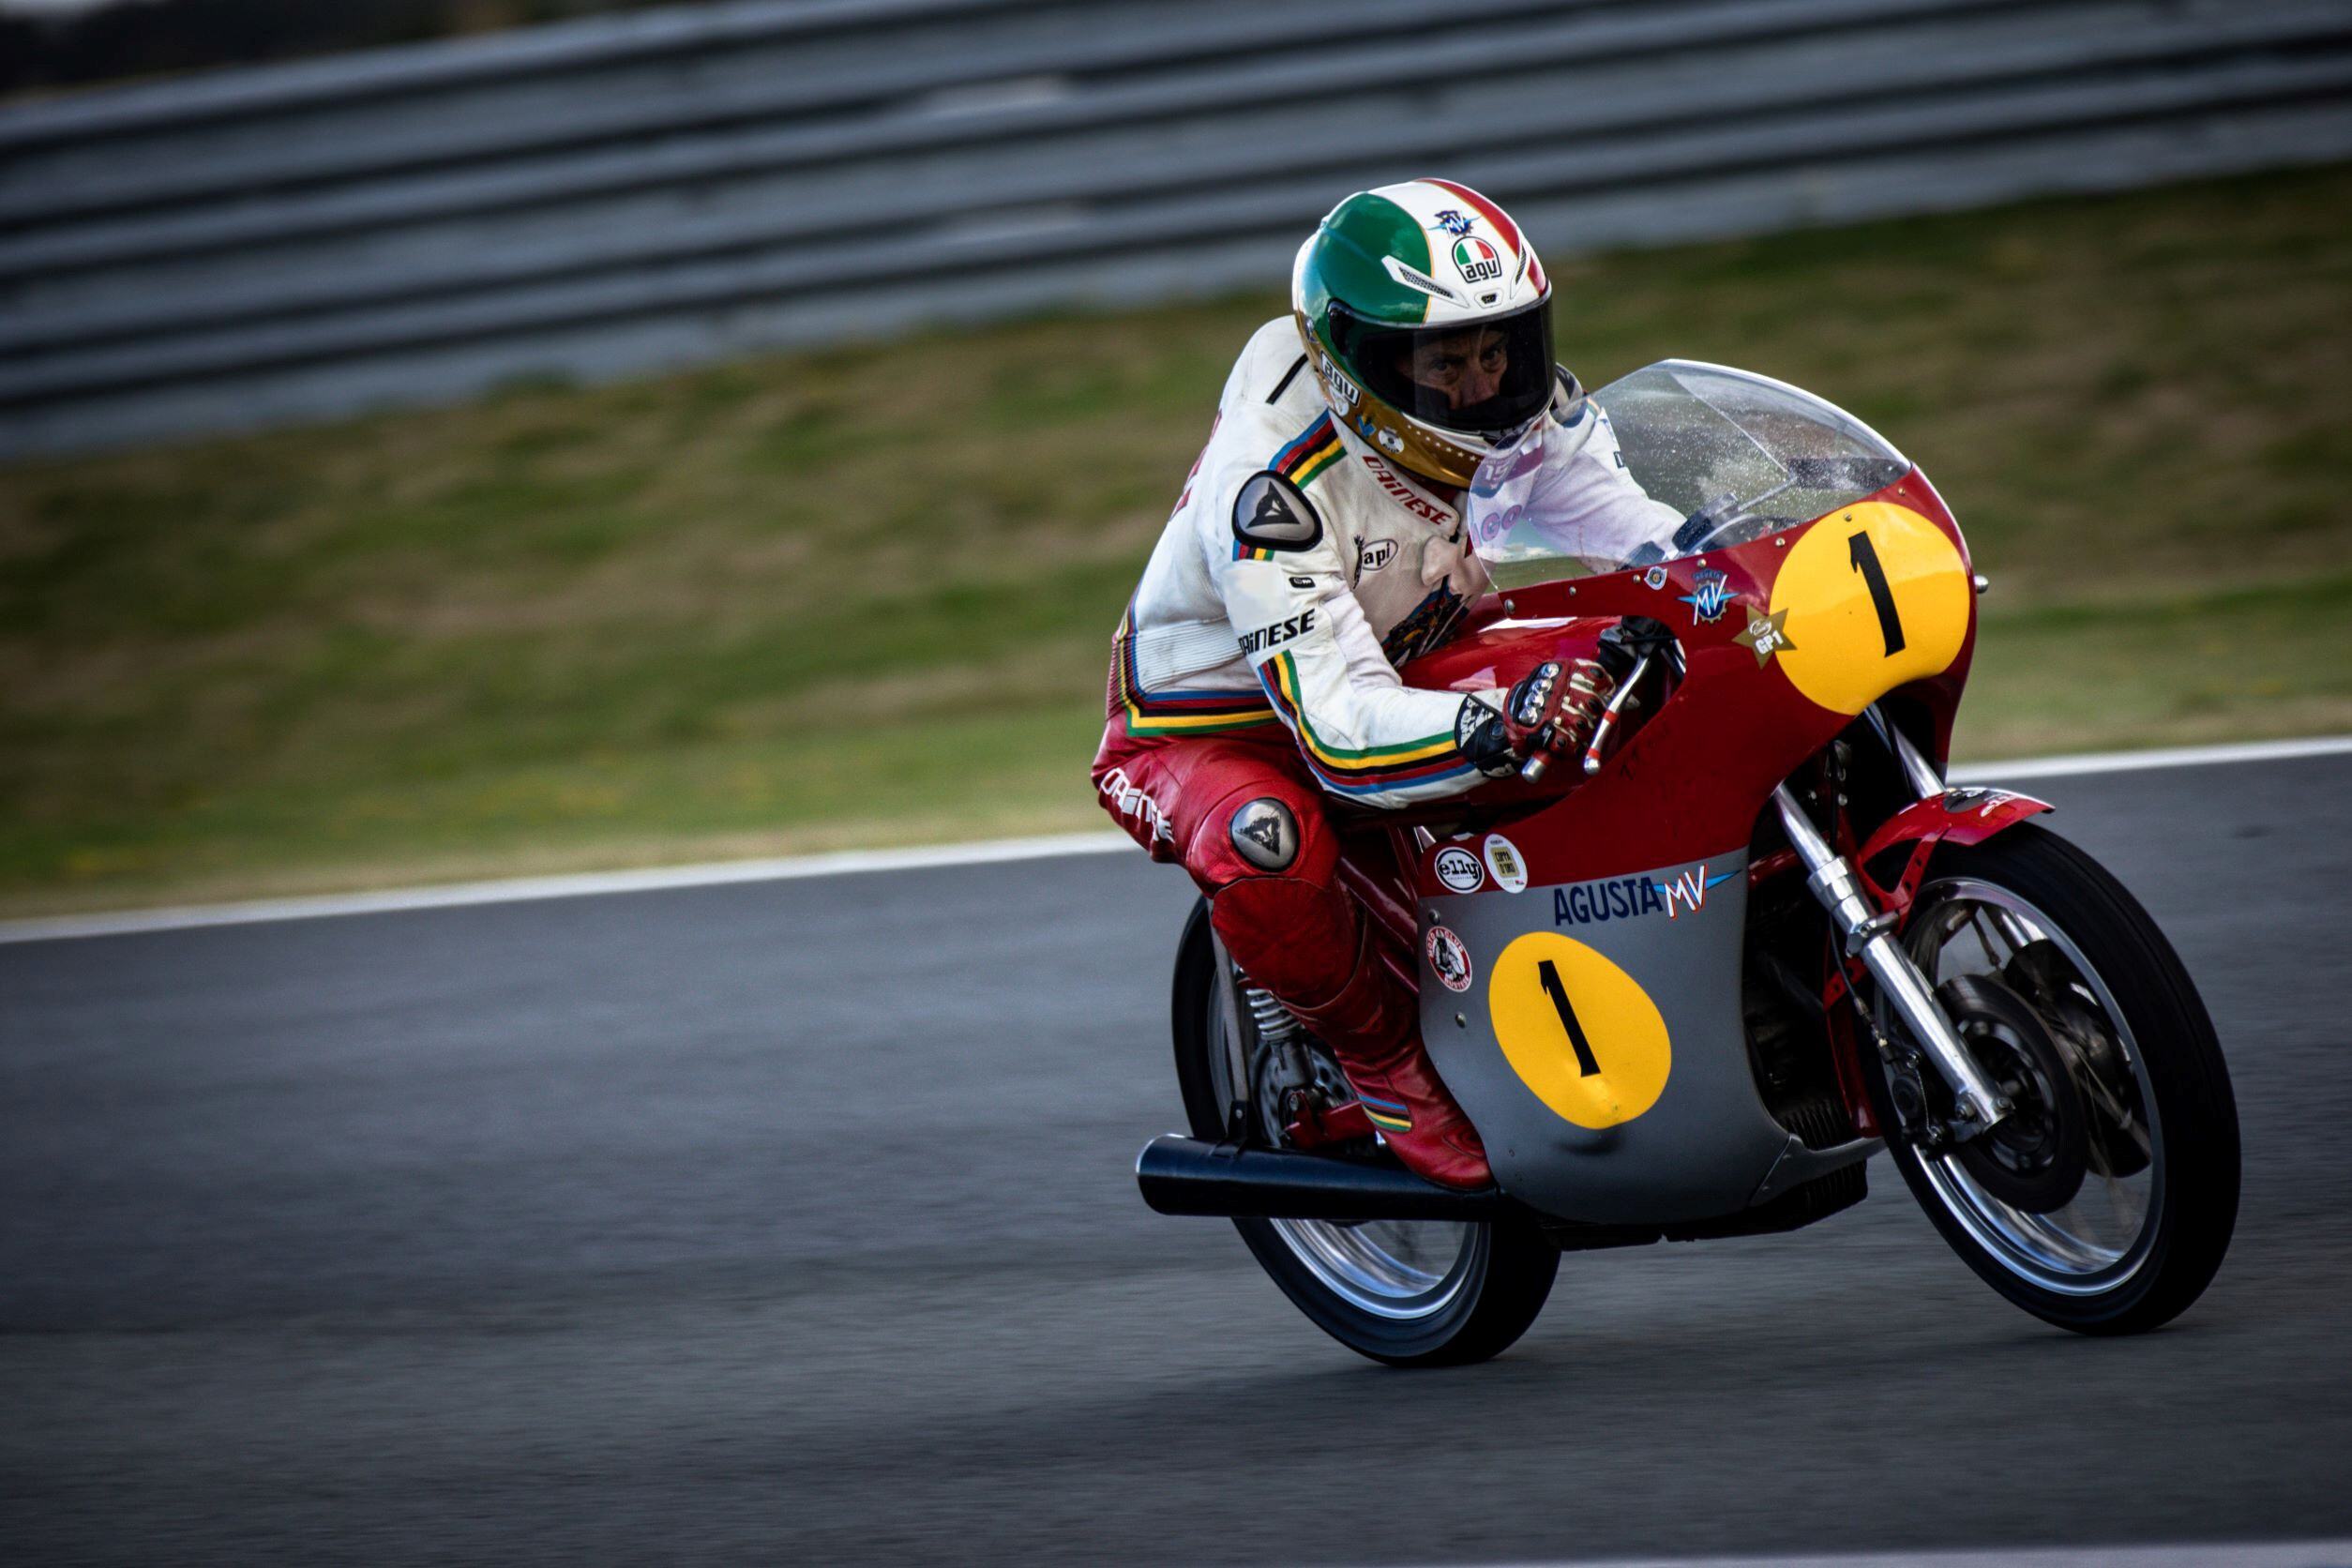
1286, 1061
1276, 1029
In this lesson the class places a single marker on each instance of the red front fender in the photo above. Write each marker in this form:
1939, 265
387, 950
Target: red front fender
1967, 816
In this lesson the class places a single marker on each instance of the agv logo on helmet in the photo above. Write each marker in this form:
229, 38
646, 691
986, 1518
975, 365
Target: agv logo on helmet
1476, 261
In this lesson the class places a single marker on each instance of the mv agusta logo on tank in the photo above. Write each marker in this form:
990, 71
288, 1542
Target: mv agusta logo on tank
1686, 965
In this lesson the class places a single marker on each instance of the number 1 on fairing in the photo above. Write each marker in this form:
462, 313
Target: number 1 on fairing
1549, 974
1864, 556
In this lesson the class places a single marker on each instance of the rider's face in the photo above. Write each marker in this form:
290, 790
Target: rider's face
1466, 366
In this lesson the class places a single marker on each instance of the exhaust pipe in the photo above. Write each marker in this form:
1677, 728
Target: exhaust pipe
1186, 1176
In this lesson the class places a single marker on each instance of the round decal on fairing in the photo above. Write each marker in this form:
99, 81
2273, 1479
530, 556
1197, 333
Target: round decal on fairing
1581, 1032
1505, 860
1872, 596
1458, 869
1448, 957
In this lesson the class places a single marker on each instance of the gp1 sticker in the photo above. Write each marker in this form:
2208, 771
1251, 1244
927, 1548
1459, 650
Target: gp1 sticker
1449, 957
1505, 860
1872, 596
1581, 1032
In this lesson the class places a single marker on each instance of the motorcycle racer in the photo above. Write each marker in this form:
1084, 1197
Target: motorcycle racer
1318, 545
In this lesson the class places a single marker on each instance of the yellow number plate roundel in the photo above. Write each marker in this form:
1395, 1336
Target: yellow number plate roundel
1580, 1032
1875, 595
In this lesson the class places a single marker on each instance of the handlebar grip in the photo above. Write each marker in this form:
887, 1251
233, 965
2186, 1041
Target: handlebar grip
1532, 770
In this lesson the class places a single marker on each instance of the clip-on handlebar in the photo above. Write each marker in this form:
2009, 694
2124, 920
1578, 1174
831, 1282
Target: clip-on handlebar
1627, 651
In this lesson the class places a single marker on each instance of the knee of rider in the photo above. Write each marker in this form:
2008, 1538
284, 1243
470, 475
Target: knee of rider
1299, 940
1271, 872
1261, 833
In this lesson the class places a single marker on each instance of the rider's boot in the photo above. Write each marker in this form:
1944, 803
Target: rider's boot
1371, 1026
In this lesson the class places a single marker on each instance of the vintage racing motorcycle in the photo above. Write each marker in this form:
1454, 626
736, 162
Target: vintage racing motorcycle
1686, 982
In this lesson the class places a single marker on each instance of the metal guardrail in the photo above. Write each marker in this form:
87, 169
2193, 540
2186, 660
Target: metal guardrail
594, 199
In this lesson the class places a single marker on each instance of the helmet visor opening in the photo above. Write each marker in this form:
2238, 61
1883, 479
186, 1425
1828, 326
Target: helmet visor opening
1484, 379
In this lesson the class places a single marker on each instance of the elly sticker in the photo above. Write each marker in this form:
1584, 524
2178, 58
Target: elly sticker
1458, 869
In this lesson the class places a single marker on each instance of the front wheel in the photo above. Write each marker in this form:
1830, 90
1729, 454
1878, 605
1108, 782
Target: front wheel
2103, 1203
1408, 1292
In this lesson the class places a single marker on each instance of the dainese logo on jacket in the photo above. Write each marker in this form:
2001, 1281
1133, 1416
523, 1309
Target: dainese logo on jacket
1286, 630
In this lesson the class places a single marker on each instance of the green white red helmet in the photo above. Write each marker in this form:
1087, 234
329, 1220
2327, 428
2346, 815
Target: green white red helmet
1404, 271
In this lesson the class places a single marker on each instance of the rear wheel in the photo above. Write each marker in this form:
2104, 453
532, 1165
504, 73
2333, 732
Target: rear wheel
2103, 1203
1408, 1292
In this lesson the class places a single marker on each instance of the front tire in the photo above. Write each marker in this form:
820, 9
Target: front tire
2104, 1204
1409, 1293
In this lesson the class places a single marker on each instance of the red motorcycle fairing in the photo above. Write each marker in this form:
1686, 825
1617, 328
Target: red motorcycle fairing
1584, 1005
1688, 781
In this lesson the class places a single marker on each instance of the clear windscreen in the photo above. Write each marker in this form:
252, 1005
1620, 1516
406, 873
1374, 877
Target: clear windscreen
1675, 460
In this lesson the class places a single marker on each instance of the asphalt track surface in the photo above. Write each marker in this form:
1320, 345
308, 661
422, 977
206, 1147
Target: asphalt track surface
796, 1222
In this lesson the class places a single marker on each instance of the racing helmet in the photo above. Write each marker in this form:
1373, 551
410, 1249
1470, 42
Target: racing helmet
1428, 320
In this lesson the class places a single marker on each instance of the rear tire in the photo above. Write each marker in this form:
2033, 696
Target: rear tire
1494, 1280
2145, 1110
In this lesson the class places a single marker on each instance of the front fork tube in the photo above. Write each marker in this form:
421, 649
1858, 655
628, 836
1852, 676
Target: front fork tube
1866, 933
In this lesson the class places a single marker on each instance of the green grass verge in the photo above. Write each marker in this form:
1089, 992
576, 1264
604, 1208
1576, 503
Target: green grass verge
862, 596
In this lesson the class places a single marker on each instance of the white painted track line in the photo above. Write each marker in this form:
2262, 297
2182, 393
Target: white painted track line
2294, 1554
521, 889
2134, 762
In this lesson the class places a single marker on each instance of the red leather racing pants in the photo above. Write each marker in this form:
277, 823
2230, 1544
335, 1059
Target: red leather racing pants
1240, 812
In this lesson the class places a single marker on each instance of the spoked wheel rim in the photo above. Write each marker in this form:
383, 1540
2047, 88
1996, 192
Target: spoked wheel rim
1989, 938
1385, 1267
1401, 1270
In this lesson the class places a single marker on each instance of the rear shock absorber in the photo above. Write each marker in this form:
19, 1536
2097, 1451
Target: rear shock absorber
1281, 1062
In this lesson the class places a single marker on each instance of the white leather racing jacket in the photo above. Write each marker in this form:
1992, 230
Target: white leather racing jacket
1299, 568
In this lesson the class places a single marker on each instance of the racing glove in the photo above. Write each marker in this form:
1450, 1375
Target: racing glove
1551, 710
